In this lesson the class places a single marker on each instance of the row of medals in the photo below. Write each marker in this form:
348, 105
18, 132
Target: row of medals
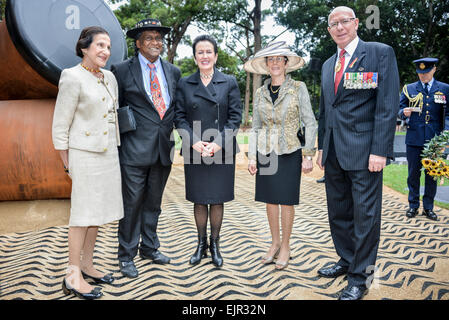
358, 80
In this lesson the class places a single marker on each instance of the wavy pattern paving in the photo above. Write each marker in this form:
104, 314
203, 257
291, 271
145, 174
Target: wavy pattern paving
413, 255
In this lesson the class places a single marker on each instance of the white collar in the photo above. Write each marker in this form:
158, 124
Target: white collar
351, 47
145, 61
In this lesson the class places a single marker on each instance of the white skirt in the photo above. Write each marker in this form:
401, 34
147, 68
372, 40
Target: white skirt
96, 185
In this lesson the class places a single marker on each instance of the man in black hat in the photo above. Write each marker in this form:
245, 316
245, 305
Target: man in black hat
423, 105
147, 84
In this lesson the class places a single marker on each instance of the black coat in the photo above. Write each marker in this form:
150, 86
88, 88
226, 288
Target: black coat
217, 107
151, 139
363, 120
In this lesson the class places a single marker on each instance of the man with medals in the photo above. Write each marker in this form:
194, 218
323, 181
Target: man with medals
423, 107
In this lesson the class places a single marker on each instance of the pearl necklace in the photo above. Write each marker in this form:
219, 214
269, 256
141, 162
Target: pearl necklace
206, 76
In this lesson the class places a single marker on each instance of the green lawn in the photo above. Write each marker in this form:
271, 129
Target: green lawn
395, 177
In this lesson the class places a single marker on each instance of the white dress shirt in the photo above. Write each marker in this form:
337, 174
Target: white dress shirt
350, 49
160, 76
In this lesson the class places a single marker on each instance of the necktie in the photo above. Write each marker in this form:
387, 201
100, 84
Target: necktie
156, 92
339, 69
426, 88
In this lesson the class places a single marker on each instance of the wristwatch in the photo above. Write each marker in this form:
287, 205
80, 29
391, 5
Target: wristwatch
308, 158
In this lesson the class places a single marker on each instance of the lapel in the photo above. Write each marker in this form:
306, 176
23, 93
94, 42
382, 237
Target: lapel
209, 93
353, 65
136, 72
328, 78
168, 78
435, 87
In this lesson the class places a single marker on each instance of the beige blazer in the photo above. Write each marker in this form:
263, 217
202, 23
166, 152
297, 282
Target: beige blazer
80, 120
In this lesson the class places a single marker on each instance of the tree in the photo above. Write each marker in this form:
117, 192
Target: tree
2, 9
240, 26
178, 14
413, 28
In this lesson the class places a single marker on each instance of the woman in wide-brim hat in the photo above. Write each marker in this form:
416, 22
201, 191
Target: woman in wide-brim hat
281, 107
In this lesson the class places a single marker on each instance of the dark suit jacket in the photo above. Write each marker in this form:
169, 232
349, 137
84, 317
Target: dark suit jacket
151, 139
420, 131
217, 107
362, 120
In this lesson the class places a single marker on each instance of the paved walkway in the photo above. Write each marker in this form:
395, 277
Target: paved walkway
412, 259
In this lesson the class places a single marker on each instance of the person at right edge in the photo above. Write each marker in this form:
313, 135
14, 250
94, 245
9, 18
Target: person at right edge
358, 109
430, 97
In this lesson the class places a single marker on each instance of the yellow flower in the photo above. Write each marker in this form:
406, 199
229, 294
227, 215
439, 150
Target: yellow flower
426, 162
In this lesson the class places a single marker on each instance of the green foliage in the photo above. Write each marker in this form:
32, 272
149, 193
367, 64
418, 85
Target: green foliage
413, 28
2, 9
434, 148
177, 14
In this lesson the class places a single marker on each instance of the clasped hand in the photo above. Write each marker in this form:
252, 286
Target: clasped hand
207, 149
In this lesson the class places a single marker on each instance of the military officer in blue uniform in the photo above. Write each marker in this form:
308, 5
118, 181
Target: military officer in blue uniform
423, 106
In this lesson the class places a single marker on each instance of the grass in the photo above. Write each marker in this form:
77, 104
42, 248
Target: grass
395, 177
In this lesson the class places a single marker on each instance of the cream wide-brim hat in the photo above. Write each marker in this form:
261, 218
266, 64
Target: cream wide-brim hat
257, 63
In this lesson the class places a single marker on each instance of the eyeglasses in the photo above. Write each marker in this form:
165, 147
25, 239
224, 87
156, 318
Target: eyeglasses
150, 39
343, 22
277, 59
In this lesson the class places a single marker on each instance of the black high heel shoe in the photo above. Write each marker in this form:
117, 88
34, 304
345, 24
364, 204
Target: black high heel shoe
217, 260
94, 294
201, 251
107, 278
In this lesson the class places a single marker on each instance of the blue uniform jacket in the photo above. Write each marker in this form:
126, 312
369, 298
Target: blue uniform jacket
434, 116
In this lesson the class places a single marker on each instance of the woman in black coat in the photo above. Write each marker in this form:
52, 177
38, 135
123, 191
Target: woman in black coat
207, 116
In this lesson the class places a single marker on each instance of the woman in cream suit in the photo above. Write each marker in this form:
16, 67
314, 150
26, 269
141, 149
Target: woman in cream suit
85, 131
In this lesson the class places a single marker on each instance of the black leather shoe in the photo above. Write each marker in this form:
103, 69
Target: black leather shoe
128, 269
411, 212
201, 251
353, 293
94, 294
333, 271
321, 180
156, 256
107, 278
217, 259
430, 214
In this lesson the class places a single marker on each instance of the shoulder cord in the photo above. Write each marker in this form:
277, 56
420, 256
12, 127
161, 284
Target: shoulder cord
416, 101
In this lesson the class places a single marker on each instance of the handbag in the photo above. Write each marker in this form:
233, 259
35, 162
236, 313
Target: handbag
126, 120
302, 135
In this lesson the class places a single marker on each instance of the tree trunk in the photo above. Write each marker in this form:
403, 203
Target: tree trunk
247, 97
257, 19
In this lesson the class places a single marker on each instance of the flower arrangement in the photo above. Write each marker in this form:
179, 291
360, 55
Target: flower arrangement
432, 157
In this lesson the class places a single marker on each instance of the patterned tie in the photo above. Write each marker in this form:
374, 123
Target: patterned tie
156, 92
339, 69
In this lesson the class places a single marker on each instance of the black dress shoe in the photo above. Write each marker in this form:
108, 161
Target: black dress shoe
411, 212
430, 214
353, 293
321, 180
128, 269
156, 256
333, 271
107, 278
94, 294
201, 251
